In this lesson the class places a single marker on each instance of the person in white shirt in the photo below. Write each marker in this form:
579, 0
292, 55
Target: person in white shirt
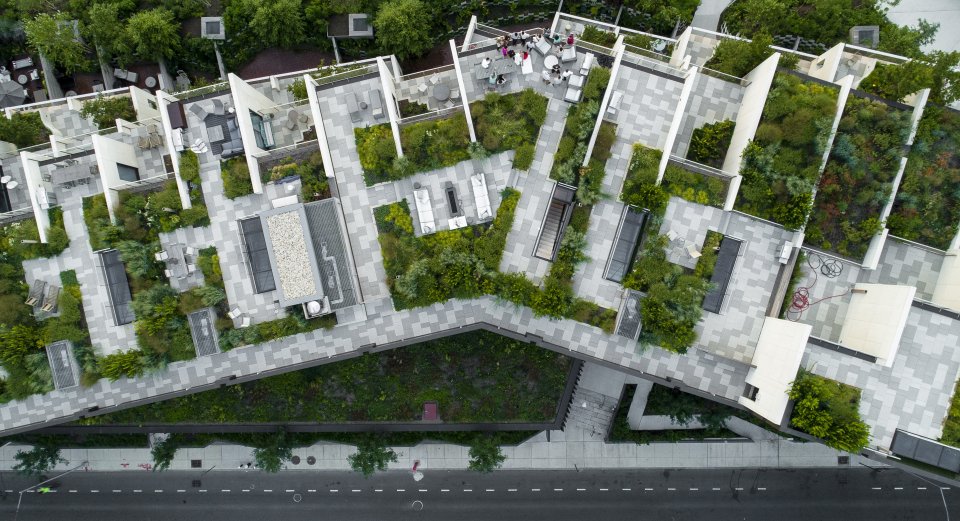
566, 75
545, 75
486, 63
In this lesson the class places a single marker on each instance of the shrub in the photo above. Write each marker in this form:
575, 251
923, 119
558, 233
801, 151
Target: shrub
37, 461
640, 188
271, 456
709, 143
163, 453
236, 178
119, 365
485, 454
377, 151
828, 410
737, 57
695, 187
510, 122
23, 129
372, 455
190, 167
523, 157
596, 84
105, 111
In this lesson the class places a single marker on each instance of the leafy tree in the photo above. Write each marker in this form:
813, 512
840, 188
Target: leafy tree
17, 342
23, 129
119, 365
907, 41
403, 27
372, 455
757, 14
106, 30
163, 453
38, 460
828, 410
485, 454
106, 110
153, 34
278, 23
138, 258
55, 37
271, 457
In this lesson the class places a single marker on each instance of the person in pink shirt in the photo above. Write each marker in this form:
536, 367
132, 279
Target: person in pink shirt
504, 51
570, 39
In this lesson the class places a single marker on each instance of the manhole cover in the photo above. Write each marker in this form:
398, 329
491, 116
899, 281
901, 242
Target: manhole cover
295, 460
311, 460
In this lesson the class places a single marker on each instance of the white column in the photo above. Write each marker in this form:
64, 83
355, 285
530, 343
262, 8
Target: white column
469, 36
163, 100
677, 121
463, 92
386, 80
618, 49
311, 85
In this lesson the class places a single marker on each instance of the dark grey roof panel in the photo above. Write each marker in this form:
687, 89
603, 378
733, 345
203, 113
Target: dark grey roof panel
722, 271
330, 247
925, 450
625, 246
118, 287
257, 256
204, 332
63, 365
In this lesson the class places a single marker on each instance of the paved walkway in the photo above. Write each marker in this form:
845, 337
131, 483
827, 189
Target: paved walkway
708, 14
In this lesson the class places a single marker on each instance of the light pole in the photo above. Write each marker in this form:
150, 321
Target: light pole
17, 513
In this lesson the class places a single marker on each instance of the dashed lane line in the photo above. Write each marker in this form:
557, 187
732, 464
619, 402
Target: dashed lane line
534, 490
490, 490
877, 488
401, 490
225, 490
761, 488
378, 490
159, 491
137, 491
558, 490
604, 489
422, 490
648, 489
117, 491
897, 488
181, 491
72, 491
334, 491
715, 488
289, 490
670, 489
311, 490
355, 490
444, 490
581, 490
268, 490
693, 489
511, 490
625, 489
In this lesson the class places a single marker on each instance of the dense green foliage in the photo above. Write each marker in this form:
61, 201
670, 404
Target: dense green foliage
927, 207
781, 165
294, 323
152, 34
825, 21
709, 143
427, 145
106, 110
236, 177
937, 71
510, 122
314, 185
38, 460
951, 425
671, 307
23, 129
403, 27
163, 453
54, 36
372, 455
682, 408
640, 189
473, 377
739, 57
271, 456
828, 410
857, 181
485, 454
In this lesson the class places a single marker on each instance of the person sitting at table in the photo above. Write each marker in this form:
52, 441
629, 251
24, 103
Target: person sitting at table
486, 63
504, 51
501, 80
566, 75
556, 81
557, 38
545, 76
492, 79
511, 53
556, 69
524, 36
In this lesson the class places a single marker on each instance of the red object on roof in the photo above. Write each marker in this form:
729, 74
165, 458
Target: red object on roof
430, 411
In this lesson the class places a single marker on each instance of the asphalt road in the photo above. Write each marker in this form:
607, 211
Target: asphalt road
635, 495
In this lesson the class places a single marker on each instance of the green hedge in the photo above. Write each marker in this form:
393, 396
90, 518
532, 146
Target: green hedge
510, 122
106, 110
236, 177
828, 410
427, 145
927, 207
709, 143
857, 181
639, 188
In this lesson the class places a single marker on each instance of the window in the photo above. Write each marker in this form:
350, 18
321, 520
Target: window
128, 173
262, 132
750, 392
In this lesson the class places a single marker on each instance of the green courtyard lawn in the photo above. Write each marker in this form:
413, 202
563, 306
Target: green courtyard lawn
857, 181
781, 165
927, 206
474, 377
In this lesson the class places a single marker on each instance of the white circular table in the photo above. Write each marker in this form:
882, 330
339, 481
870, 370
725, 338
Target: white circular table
22, 79
150, 82
12, 184
5, 179
550, 61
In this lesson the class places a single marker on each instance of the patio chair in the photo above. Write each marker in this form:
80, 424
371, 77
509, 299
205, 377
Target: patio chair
422, 88
168, 274
572, 95
672, 235
693, 251
455, 94
544, 46
162, 255
36, 293
587, 63
191, 267
51, 299
569, 54
218, 107
198, 111
245, 321
435, 79
190, 250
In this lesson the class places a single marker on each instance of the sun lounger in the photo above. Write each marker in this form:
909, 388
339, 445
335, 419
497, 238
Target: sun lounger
51, 299
36, 293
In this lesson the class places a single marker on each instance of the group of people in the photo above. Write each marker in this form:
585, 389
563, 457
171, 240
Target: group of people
554, 76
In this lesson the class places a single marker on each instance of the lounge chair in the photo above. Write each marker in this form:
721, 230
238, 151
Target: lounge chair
234, 313
218, 107
587, 63
693, 251
51, 299
544, 46
245, 321
572, 95
614, 103
198, 111
36, 293
569, 54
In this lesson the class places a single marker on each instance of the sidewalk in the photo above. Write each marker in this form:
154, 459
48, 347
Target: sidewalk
565, 450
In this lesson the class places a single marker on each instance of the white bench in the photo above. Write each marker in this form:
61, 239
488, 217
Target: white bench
587, 63
614, 103
783, 253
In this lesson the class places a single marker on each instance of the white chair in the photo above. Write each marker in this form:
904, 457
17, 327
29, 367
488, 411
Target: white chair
422, 88
190, 250
233, 313
191, 268
693, 251
245, 322
672, 235
587, 63
168, 273
162, 255
435, 79
455, 94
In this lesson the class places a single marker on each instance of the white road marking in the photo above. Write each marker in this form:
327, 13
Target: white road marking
423, 490
311, 490
137, 491
944, 488
897, 488
201, 490
225, 490
511, 490
117, 491
558, 490
355, 490
468, 490
72, 491
921, 488
625, 489
334, 491
245, 490
8, 491
290, 490
444, 490
877, 488
693, 489
268, 490
761, 488
401, 490
158, 491
581, 489
648, 489
604, 489
534, 490
92, 491
739, 488
178, 491
490, 490
378, 490
715, 488
671, 489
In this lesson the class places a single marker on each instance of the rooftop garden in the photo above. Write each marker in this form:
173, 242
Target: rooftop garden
23, 129
464, 264
709, 143
927, 206
22, 238
828, 410
781, 165
739, 57
640, 188
510, 122
236, 177
856, 183
105, 110
473, 377
314, 185
572, 149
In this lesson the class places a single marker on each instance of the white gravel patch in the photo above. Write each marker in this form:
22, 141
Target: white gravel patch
290, 253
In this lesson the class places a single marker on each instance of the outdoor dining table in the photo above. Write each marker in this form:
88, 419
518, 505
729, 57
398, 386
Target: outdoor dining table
441, 92
550, 61
500, 66
70, 173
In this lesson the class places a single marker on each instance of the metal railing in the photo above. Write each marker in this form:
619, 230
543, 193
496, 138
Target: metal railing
698, 168
651, 35
724, 76
875, 54
202, 91
656, 65
434, 114
60, 101
143, 184
595, 47
646, 53
428, 72
345, 75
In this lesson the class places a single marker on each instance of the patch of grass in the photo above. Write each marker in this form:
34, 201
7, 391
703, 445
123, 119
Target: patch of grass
236, 177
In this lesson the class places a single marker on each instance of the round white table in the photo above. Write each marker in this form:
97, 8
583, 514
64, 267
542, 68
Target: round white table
22, 79
12, 184
550, 61
441, 92
5, 179
150, 82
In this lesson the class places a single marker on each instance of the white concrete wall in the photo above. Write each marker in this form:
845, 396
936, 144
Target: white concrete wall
826, 65
618, 49
389, 91
680, 49
678, 116
109, 152
748, 119
144, 103
471, 27
245, 99
463, 91
164, 99
321, 130
34, 181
